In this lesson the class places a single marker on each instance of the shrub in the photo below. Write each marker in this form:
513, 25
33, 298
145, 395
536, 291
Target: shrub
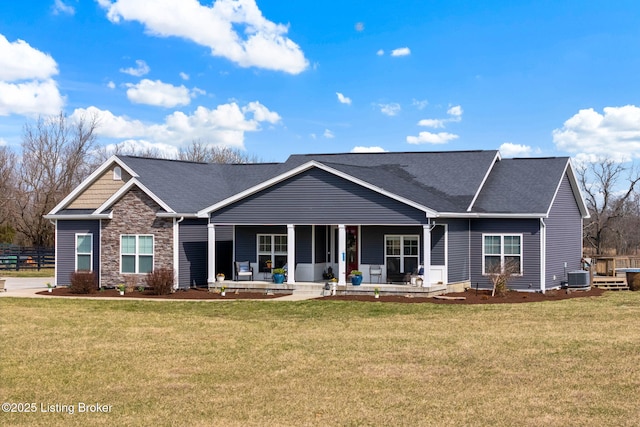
83, 282
161, 280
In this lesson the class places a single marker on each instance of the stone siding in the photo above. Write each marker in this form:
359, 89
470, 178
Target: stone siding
134, 213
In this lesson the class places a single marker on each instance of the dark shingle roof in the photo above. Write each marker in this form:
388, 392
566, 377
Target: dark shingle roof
442, 181
521, 185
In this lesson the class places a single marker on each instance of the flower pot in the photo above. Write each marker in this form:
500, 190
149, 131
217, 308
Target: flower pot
50, 289
121, 292
376, 296
220, 278
223, 293
356, 280
268, 265
278, 278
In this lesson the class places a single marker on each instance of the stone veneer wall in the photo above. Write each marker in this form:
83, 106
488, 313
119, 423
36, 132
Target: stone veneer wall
134, 213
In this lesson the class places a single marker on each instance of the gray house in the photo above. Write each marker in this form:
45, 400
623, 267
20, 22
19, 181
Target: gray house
451, 216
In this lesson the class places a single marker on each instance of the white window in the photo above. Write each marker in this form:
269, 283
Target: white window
117, 173
272, 247
84, 252
136, 253
402, 253
501, 251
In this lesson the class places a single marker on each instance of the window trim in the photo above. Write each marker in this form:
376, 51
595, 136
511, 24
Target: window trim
272, 253
402, 256
90, 253
137, 254
502, 253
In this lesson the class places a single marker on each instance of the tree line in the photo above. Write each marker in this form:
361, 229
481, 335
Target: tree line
58, 153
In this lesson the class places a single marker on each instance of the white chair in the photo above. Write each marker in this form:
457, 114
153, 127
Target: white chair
375, 270
244, 269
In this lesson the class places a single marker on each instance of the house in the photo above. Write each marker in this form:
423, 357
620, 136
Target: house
454, 214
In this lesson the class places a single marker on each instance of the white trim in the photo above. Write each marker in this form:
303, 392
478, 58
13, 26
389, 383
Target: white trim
79, 216
342, 254
543, 256
125, 188
176, 252
75, 251
90, 180
502, 254
402, 256
204, 213
491, 215
291, 254
211, 253
496, 159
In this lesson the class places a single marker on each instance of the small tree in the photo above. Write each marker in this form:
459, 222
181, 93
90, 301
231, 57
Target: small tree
500, 275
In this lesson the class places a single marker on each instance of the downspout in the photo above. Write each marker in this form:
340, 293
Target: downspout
54, 222
176, 252
543, 256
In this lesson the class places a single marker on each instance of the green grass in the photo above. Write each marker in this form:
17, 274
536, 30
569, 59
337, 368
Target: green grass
565, 363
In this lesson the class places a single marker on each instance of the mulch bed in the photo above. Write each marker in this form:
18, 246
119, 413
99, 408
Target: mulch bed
473, 297
469, 296
189, 294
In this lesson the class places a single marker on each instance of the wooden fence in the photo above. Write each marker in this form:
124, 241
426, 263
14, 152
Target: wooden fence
22, 258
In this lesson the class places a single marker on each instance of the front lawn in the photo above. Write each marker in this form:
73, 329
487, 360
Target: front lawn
563, 363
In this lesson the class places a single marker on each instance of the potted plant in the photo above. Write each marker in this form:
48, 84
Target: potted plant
356, 277
220, 277
49, 287
121, 287
223, 290
269, 263
376, 292
278, 275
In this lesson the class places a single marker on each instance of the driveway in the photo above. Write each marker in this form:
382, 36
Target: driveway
25, 286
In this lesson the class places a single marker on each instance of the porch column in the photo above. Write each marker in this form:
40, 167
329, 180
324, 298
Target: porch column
342, 255
426, 261
211, 253
291, 254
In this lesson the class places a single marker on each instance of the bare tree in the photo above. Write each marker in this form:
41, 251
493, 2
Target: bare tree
606, 196
201, 152
501, 273
54, 154
7, 192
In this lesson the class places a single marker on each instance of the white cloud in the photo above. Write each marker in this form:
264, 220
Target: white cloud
224, 125
111, 85
420, 104
232, 29
60, 7
343, 99
614, 134
431, 138
359, 26
380, 52
455, 112
26, 83
3, 142
509, 149
375, 149
432, 123
19, 61
391, 109
143, 146
328, 134
140, 70
402, 51
158, 93
184, 76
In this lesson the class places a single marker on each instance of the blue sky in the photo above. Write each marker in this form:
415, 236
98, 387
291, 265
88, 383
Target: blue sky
531, 78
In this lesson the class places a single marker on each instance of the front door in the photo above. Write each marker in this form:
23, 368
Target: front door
352, 248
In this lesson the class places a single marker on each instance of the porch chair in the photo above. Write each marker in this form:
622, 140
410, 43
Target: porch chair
375, 270
243, 269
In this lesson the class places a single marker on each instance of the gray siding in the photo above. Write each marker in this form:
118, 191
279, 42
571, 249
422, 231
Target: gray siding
372, 243
530, 230
193, 249
246, 242
318, 197
66, 247
458, 268
564, 235
304, 244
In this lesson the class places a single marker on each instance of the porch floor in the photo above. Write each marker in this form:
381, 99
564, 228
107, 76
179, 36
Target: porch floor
318, 288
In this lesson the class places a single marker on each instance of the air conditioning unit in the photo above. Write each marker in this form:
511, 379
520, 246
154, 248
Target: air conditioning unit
578, 279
